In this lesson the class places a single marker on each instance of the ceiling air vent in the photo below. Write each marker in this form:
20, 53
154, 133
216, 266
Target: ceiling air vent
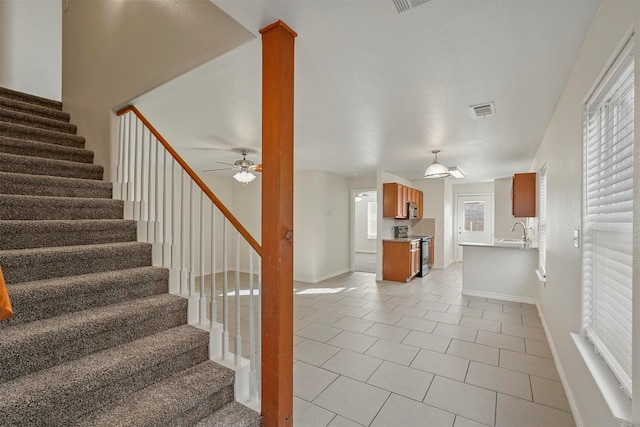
483, 110
404, 5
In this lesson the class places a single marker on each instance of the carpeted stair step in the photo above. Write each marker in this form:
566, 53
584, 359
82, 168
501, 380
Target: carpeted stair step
31, 99
23, 147
13, 130
233, 414
43, 299
23, 207
49, 167
26, 265
34, 109
39, 345
19, 234
63, 394
43, 185
180, 400
20, 118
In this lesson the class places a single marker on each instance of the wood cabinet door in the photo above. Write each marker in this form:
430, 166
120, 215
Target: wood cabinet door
403, 190
420, 203
523, 195
390, 200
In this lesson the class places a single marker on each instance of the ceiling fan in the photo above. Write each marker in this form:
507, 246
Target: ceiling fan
243, 166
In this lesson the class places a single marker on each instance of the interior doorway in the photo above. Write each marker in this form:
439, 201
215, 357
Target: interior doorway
364, 230
474, 220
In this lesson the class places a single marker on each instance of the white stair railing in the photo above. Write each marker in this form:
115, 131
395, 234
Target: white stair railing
200, 242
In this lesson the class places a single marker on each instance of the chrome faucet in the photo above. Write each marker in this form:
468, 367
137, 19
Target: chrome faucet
524, 230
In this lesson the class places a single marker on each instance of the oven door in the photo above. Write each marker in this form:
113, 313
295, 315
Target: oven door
424, 258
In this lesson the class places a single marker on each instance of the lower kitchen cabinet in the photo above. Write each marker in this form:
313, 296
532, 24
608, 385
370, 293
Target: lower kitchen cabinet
400, 260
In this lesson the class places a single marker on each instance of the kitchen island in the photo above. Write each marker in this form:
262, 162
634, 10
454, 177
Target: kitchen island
502, 270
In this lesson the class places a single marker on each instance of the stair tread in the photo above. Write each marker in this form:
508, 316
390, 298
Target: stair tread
29, 98
70, 249
159, 403
23, 265
48, 181
24, 118
24, 234
45, 150
43, 135
86, 322
34, 109
42, 299
233, 414
53, 200
66, 386
41, 166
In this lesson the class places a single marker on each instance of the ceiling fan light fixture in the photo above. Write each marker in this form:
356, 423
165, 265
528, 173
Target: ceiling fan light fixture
244, 177
358, 197
435, 169
455, 172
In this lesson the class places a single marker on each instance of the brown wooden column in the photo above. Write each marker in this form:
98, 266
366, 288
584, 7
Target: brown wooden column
277, 224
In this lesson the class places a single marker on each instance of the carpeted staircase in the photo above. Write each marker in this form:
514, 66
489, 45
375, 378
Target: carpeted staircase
96, 339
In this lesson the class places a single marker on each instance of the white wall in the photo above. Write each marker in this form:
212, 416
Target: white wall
362, 242
321, 218
31, 47
561, 150
114, 51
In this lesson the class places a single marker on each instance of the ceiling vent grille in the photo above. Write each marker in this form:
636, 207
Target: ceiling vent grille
483, 110
404, 5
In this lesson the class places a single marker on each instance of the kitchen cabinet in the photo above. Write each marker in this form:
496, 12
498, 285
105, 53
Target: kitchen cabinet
395, 198
400, 260
523, 195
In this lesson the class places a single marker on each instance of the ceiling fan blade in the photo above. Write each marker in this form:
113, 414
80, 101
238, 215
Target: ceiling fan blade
225, 163
216, 170
257, 168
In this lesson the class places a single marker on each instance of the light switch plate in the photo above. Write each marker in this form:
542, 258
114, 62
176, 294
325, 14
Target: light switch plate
576, 238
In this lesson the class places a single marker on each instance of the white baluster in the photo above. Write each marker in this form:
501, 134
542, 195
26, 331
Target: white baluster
117, 194
136, 170
203, 296
225, 292
252, 334
238, 346
214, 304
156, 193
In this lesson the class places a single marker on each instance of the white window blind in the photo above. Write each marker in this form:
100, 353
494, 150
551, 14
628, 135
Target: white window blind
608, 216
542, 223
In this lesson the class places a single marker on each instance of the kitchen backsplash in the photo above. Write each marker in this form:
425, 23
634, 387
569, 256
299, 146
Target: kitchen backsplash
423, 227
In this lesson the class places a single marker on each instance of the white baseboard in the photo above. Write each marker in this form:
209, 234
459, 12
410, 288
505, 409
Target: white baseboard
504, 297
563, 377
366, 252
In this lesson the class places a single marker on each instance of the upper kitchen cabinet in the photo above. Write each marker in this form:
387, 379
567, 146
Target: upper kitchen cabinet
396, 198
523, 195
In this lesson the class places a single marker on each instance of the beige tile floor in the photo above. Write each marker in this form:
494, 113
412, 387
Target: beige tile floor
420, 354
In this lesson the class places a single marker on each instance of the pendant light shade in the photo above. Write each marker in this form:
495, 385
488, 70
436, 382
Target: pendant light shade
436, 170
244, 177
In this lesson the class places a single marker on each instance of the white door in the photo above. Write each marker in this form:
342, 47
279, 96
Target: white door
474, 220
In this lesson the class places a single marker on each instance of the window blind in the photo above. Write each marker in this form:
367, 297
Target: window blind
542, 222
608, 216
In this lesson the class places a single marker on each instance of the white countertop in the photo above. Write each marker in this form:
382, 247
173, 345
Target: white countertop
509, 244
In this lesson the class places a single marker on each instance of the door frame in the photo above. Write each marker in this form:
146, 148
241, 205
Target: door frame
352, 221
455, 218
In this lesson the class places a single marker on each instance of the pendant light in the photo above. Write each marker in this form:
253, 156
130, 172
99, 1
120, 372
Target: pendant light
436, 170
244, 176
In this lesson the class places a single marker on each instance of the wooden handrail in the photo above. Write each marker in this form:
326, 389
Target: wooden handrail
234, 221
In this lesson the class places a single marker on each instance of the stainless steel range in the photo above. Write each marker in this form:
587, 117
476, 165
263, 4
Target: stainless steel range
402, 232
